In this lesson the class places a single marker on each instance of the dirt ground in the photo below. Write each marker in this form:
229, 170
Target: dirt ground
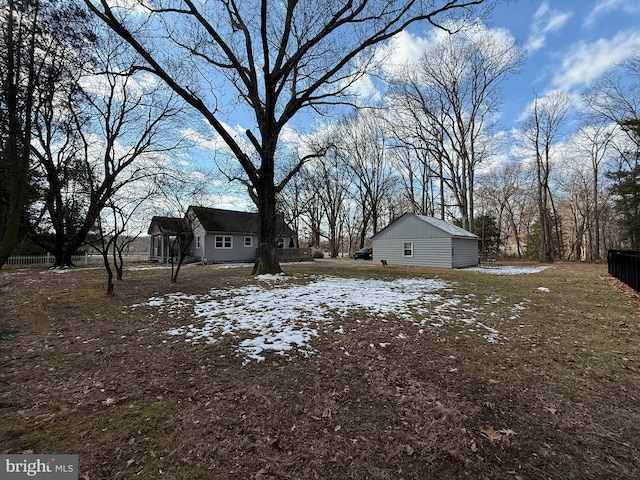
558, 397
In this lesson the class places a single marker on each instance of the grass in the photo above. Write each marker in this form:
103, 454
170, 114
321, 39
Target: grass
556, 398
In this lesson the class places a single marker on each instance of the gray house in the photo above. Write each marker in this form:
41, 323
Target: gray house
217, 236
425, 241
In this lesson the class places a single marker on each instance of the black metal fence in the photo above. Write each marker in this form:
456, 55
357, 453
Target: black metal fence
625, 266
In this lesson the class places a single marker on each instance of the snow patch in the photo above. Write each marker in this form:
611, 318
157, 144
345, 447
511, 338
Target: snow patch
285, 317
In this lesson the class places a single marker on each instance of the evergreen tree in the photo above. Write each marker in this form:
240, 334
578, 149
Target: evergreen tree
626, 186
486, 228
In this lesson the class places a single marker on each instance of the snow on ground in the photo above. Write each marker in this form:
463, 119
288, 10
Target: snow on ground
281, 315
506, 270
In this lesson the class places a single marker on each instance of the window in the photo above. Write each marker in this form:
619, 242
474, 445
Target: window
280, 243
248, 241
197, 241
408, 249
223, 241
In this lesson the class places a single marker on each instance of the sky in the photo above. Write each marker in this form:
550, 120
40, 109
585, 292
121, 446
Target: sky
568, 44
279, 314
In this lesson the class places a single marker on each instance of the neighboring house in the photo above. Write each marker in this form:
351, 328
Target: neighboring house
425, 241
218, 236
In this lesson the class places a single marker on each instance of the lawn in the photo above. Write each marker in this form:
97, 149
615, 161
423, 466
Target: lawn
336, 370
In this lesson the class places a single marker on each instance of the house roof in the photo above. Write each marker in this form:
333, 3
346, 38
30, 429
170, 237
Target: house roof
168, 224
446, 227
231, 221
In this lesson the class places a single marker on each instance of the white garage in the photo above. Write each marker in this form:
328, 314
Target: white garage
425, 241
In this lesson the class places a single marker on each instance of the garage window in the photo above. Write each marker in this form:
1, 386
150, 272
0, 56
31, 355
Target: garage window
408, 249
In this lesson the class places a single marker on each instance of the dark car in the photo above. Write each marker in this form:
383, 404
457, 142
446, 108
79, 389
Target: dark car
363, 253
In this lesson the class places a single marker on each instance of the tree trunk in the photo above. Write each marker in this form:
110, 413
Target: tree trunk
18, 141
545, 254
105, 257
266, 253
118, 261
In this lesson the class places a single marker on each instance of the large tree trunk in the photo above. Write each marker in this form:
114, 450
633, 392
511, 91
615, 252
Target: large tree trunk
18, 141
266, 253
18, 174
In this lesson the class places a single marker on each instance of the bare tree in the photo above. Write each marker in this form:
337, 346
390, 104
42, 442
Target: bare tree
330, 181
594, 143
33, 35
540, 130
415, 168
614, 101
108, 130
506, 189
111, 240
456, 86
277, 59
362, 146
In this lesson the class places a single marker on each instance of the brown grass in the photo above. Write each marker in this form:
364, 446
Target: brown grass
558, 398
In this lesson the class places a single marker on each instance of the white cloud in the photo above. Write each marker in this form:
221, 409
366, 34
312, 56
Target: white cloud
209, 140
604, 6
587, 61
545, 21
406, 47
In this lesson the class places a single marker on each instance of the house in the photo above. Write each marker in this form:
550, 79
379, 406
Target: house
425, 241
217, 236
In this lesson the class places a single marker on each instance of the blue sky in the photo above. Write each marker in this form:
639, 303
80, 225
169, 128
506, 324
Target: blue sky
569, 43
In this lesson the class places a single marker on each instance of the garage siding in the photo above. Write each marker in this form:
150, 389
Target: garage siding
465, 252
434, 252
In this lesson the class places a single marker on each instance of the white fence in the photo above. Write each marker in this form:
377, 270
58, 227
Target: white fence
81, 259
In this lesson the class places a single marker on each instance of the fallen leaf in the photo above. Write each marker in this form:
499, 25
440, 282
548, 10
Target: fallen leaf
491, 434
129, 462
342, 396
551, 410
109, 401
327, 413
409, 449
474, 447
